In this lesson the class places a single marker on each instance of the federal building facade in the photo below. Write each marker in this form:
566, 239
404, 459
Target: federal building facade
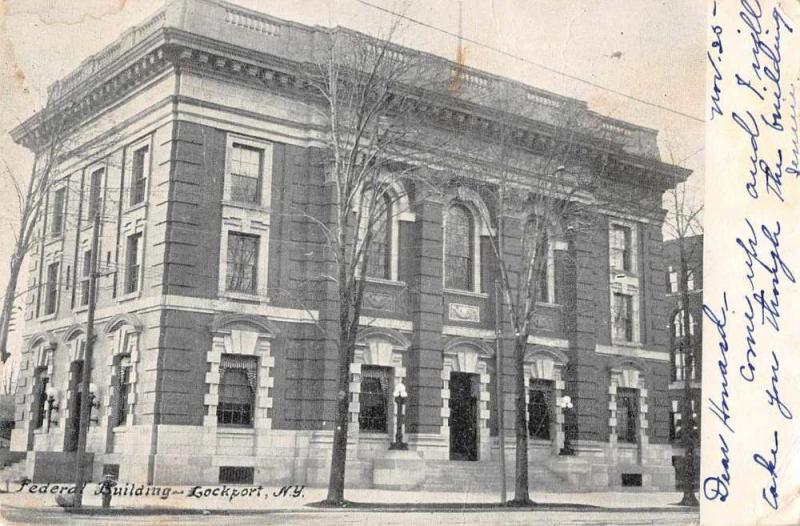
201, 150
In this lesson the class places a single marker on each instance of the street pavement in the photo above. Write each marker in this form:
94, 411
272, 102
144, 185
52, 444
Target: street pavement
540, 518
35, 504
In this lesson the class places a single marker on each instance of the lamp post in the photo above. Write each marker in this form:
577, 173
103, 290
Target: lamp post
400, 396
52, 405
566, 405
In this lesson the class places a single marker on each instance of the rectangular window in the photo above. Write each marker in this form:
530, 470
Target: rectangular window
374, 399
242, 267
95, 194
237, 390
133, 263
622, 329
627, 413
58, 208
87, 270
51, 297
41, 400
620, 248
124, 385
245, 174
672, 280
539, 409
689, 280
235, 475
139, 173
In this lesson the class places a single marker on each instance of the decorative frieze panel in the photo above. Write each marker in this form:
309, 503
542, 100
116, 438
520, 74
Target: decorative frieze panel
380, 301
463, 312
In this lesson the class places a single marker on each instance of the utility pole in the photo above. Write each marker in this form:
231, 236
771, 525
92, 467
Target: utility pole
687, 416
86, 397
498, 386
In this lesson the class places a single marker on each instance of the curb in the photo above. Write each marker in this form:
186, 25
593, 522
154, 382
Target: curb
317, 507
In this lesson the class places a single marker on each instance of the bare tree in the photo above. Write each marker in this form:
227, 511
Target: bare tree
363, 91
684, 221
539, 187
31, 196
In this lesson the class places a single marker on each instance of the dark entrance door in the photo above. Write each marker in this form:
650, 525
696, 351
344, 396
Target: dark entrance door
463, 417
73, 425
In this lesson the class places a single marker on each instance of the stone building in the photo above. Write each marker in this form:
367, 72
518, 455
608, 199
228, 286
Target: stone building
694, 256
197, 143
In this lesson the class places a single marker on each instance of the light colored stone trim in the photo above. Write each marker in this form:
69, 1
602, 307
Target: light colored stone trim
386, 323
548, 342
182, 303
633, 352
118, 350
543, 367
628, 377
383, 353
466, 358
225, 342
468, 332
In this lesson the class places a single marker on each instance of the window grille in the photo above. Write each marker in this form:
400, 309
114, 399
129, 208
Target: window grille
124, 386
237, 390
374, 399
539, 402
235, 475
627, 413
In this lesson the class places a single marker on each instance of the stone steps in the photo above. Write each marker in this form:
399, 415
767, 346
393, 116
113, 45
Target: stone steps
484, 476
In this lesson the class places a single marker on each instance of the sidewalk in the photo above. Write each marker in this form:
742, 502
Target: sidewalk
216, 499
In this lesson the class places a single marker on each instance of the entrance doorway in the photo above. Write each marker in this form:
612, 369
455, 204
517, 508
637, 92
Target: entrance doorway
464, 416
73, 426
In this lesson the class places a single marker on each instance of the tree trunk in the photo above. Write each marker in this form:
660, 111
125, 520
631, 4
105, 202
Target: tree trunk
521, 495
8, 304
339, 453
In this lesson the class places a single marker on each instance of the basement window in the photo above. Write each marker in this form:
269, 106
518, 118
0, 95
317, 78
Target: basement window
631, 479
235, 475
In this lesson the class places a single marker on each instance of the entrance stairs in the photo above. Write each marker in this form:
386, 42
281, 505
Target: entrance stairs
484, 476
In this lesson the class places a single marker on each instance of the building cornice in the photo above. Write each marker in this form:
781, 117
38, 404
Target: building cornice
168, 40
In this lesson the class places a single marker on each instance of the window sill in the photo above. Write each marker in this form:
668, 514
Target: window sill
48, 317
122, 428
624, 343
137, 206
377, 436
548, 304
41, 431
233, 429
82, 308
470, 293
128, 297
383, 281
53, 238
623, 444
247, 206
243, 296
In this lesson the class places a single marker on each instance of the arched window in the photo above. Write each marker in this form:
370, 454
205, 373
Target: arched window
380, 249
536, 249
459, 248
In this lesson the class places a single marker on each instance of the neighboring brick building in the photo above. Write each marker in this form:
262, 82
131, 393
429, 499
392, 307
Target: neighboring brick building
209, 362
693, 249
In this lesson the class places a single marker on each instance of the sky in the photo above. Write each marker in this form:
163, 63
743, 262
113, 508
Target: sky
646, 49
